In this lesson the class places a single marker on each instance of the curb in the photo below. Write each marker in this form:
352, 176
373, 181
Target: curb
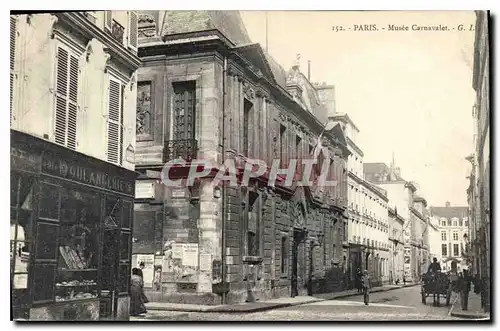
341, 296
471, 316
233, 309
270, 306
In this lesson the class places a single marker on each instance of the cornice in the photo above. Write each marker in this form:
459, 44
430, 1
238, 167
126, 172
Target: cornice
81, 24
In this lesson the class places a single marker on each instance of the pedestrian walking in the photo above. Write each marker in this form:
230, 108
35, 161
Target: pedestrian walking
465, 289
137, 307
359, 276
366, 281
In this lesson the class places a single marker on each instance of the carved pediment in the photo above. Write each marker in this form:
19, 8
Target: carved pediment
249, 91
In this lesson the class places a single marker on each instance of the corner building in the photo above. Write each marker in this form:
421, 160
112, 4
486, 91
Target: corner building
206, 92
72, 103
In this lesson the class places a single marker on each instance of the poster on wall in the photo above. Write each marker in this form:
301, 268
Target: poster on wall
177, 251
148, 270
190, 255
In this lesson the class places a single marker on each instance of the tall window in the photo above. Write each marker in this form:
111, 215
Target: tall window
466, 223
282, 144
455, 223
443, 235
455, 236
67, 90
184, 111
444, 250
247, 126
253, 225
13, 41
455, 250
115, 121
284, 255
443, 223
460, 222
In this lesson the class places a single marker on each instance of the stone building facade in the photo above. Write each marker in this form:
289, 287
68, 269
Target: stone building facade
205, 92
479, 190
396, 260
72, 111
367, 209
453, 224
401, 194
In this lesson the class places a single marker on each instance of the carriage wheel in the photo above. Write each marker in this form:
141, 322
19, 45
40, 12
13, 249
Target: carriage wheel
423, 296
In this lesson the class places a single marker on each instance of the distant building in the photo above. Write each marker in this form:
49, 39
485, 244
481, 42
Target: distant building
453, 225
367, 209
396, 260
401, 194
434, 239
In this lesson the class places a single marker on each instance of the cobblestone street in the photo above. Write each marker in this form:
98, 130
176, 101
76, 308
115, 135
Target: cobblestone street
401, 304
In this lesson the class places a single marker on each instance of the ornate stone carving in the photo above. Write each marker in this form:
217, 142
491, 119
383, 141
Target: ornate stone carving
107, 57
297, 214
144, 111
144, 19
282, 117
248, 90
53, 22
146, 26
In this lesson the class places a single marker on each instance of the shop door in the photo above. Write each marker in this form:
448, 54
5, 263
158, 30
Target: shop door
109, 274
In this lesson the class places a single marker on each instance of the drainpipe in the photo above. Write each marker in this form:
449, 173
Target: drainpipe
223, 244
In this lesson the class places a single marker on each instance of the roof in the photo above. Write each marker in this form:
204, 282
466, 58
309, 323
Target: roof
450, 212
345, 118
258, 58
228, 22
379, 172
278, 71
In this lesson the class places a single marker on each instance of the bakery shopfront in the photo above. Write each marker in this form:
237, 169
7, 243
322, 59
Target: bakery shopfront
71, 221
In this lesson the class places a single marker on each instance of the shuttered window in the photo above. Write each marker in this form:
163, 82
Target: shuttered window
115, 120
132, 30
13, 39
66, 104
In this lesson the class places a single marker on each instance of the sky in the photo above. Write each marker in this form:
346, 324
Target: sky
409, 92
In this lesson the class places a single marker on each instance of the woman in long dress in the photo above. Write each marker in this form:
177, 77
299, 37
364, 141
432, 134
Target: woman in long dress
137, 307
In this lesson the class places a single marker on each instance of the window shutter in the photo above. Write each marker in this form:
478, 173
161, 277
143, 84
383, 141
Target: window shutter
13, 32
108, 19
72, 102
61, 95
132, 30
114, 125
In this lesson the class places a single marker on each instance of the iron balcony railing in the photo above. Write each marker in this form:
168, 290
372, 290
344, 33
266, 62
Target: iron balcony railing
180, 149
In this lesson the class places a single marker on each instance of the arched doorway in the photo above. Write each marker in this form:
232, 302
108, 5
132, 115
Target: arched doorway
299, 276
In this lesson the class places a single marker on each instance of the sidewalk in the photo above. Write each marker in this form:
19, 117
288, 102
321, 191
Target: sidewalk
474, 310
264, 305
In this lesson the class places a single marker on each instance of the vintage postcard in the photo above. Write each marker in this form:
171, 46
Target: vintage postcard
211, 165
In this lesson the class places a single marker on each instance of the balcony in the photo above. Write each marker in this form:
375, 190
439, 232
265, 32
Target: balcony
117, 31
180, 149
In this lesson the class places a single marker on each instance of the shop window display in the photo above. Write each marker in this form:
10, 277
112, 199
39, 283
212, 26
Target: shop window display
77, 273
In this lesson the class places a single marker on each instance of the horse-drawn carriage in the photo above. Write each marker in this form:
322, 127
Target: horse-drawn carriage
436, 284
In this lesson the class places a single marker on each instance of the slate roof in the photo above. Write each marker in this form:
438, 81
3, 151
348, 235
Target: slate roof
228, 22
450, 212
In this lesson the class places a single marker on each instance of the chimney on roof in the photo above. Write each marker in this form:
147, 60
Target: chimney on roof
397, 171
309, 70
447, 204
